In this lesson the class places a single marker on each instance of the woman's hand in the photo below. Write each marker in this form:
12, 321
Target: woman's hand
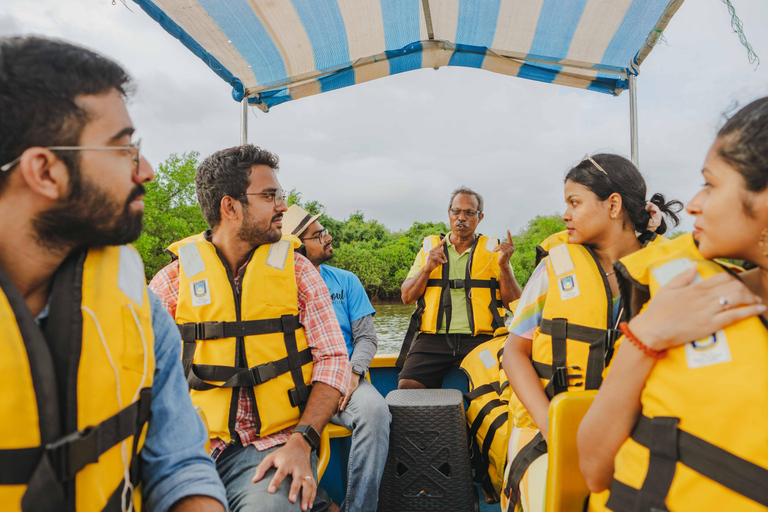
683, 311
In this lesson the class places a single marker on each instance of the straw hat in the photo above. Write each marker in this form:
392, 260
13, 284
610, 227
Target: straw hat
297, 219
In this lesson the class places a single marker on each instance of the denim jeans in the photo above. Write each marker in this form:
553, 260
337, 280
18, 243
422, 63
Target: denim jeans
367, 416
236, 470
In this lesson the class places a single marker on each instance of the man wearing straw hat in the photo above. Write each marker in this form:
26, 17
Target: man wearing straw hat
263, 352
363, 409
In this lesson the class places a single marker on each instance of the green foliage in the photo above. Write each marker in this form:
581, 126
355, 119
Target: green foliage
379, 257
171, 211
524, 259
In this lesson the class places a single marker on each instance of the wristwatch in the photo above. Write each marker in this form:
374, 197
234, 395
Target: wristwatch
310, 435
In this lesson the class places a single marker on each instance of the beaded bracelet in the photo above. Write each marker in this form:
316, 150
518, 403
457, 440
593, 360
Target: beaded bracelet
655, 354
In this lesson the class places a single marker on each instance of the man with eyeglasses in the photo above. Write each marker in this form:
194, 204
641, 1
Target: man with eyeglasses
262, 349
94, 398
362, 409
461, 283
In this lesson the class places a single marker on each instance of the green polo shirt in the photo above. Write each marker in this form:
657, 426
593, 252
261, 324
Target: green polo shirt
457, 269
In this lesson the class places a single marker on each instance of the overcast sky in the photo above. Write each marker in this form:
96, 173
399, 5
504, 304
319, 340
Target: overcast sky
395, 148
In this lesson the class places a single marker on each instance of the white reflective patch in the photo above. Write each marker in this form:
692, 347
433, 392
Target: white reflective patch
191, 261
130, 275
708, 351
277, 254
201, 292
561, 260
427, 245
568, 287
491, 243
487, 359
671, 270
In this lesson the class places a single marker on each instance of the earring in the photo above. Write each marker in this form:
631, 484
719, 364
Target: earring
763, 242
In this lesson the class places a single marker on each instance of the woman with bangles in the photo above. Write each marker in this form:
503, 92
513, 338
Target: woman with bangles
565, 323
681, 424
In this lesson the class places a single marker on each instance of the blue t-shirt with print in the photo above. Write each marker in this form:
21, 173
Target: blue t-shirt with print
350, 302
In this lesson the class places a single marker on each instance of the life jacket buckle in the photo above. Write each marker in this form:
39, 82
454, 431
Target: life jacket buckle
457, 283
264, 372
60, 454
210, 330
563, 379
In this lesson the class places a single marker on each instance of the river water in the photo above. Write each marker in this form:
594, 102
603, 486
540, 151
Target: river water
391, 322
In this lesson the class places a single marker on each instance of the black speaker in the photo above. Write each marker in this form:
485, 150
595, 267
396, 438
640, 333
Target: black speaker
428, 466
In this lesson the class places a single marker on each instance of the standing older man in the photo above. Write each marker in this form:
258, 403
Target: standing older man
461, 283
362, 410
94, 401
259, 333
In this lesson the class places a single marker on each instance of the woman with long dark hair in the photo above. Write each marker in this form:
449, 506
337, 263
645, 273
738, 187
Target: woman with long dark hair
565, 323
682, 424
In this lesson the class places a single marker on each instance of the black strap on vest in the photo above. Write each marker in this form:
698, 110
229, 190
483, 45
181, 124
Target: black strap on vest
234, 377
601, 343
45, 469
414, 326
491, 387
669, 445
520, 464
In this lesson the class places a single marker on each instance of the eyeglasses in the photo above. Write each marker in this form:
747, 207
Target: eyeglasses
134, 149
278, 196
587, 157
455, 212
322, 237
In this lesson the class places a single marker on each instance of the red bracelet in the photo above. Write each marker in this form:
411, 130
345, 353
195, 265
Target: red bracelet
655, 354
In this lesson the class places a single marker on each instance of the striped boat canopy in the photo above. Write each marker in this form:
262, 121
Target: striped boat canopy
273, 51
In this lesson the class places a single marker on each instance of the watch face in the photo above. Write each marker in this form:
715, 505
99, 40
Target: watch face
310, 434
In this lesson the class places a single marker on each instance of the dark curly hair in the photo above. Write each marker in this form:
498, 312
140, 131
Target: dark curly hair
226, 173
622, 177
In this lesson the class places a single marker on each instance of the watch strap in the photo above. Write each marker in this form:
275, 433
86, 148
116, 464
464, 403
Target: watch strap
310, 435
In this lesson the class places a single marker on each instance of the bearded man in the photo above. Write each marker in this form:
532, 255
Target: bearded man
264, 355
94, 399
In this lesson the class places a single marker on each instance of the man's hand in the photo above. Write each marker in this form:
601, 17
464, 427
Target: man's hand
354, 381
436, 256
291, 459
505, 250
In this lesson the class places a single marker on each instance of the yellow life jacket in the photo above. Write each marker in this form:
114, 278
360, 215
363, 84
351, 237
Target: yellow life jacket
72, 449
487, 413
481, 286
575, 338
249, 337
485, 310
700, 442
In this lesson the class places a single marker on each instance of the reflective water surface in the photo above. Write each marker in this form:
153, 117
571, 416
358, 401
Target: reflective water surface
391, 322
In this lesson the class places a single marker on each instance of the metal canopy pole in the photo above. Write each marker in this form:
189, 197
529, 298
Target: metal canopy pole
633, 120
244, 122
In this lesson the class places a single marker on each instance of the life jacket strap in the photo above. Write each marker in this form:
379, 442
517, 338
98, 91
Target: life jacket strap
669, 445
462, 283
44, 468
601, 343
491, 387
218, 330
414, 326
520, 464
234, 377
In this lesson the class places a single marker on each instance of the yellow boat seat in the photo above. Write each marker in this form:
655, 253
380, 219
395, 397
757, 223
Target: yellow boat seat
566, 489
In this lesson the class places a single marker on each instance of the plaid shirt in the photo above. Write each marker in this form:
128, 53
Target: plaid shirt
324, 337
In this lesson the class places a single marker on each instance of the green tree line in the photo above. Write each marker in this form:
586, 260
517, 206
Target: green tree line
380, 257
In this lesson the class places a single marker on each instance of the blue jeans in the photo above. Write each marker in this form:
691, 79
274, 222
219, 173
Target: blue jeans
367, 416
237, 469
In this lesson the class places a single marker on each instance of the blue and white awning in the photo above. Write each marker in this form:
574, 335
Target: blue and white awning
273, 51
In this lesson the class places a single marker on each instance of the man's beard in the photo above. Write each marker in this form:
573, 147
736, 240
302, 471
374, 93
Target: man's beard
250, 232
327, 255
88, 217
